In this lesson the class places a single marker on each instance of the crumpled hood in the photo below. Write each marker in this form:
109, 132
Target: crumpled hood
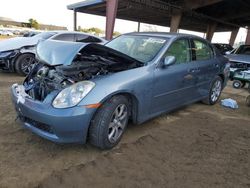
241, 58
63, 53
54, 52
17, 43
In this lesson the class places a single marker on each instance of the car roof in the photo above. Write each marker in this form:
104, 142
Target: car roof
162, 34
65, 31
73, 32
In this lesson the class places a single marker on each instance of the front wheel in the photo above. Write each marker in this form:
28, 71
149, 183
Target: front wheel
214, 92
109, 123
24, 64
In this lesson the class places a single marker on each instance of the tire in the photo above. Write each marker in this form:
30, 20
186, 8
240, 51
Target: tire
237, 84
248, 101
109, 123
24, 63
214, 91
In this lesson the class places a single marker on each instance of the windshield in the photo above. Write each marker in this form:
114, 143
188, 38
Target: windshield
44, 35
141, 48
244, 49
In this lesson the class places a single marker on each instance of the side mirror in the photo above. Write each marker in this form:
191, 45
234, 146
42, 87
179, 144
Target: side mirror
228, 52
169, 60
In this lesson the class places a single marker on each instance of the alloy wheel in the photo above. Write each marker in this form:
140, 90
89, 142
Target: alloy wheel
216, 90
118, 123
26, 64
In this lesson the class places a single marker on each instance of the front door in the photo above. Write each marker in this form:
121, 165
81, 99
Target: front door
174, 85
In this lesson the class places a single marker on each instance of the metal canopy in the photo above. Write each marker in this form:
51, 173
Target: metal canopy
196, 14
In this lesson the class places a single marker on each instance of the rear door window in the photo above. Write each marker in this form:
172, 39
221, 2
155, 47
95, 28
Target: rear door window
65, 37
202, 50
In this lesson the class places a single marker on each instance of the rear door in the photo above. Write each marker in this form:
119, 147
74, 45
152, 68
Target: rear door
175, 85
207, 65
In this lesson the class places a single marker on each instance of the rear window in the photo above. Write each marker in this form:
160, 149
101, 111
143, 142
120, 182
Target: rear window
65, 37
243, 50
86, 38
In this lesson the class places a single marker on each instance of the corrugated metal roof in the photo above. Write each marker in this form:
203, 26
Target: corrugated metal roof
85, 3
196, 15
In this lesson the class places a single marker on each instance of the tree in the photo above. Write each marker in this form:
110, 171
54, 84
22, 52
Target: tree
150, 28
92, 30
33, 23
79, 28
116, 33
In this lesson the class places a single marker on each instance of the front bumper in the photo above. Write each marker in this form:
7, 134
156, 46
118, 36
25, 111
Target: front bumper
58, 125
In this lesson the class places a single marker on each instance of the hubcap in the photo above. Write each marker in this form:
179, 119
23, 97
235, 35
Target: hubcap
216, 90
236, 84
26, 64
118, 123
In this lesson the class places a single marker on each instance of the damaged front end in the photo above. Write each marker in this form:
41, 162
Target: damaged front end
68, 68
7, 58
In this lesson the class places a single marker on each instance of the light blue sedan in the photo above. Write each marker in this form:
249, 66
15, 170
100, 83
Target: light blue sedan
89, 92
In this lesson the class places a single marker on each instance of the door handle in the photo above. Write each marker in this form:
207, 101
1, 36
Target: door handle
194, 70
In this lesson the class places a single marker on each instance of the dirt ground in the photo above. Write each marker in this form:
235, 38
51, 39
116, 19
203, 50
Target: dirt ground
5, 37
196, 146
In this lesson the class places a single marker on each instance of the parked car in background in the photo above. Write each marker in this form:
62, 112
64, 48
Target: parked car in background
240, 57
18, 54
79, 92
7, 33
30, 33
16, 32
223, 48
240, 77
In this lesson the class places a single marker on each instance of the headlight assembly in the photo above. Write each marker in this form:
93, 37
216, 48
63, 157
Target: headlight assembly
72, 95
8, 53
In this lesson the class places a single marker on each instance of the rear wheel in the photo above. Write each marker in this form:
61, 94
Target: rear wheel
237, 84
214, 92
109, 123
24, 64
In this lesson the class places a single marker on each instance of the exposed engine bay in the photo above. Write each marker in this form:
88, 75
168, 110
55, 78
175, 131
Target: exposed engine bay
90, 62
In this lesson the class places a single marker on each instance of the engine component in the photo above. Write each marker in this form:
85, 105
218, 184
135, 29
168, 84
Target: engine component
44, 78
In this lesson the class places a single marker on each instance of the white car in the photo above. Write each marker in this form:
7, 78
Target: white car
18, 53
7, 33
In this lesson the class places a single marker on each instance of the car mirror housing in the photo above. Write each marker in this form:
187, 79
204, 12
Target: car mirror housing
169, 60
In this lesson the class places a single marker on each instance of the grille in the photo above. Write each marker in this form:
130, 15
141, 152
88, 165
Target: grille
38, 125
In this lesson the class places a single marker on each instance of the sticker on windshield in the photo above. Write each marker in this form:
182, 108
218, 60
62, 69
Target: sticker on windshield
156, 40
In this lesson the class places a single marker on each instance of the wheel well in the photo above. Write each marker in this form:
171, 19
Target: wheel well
222, 77
133, 101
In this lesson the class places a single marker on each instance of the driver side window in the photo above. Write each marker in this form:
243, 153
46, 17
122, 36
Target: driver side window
180, 50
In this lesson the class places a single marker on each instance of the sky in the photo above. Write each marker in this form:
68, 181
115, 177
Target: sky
55, 12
